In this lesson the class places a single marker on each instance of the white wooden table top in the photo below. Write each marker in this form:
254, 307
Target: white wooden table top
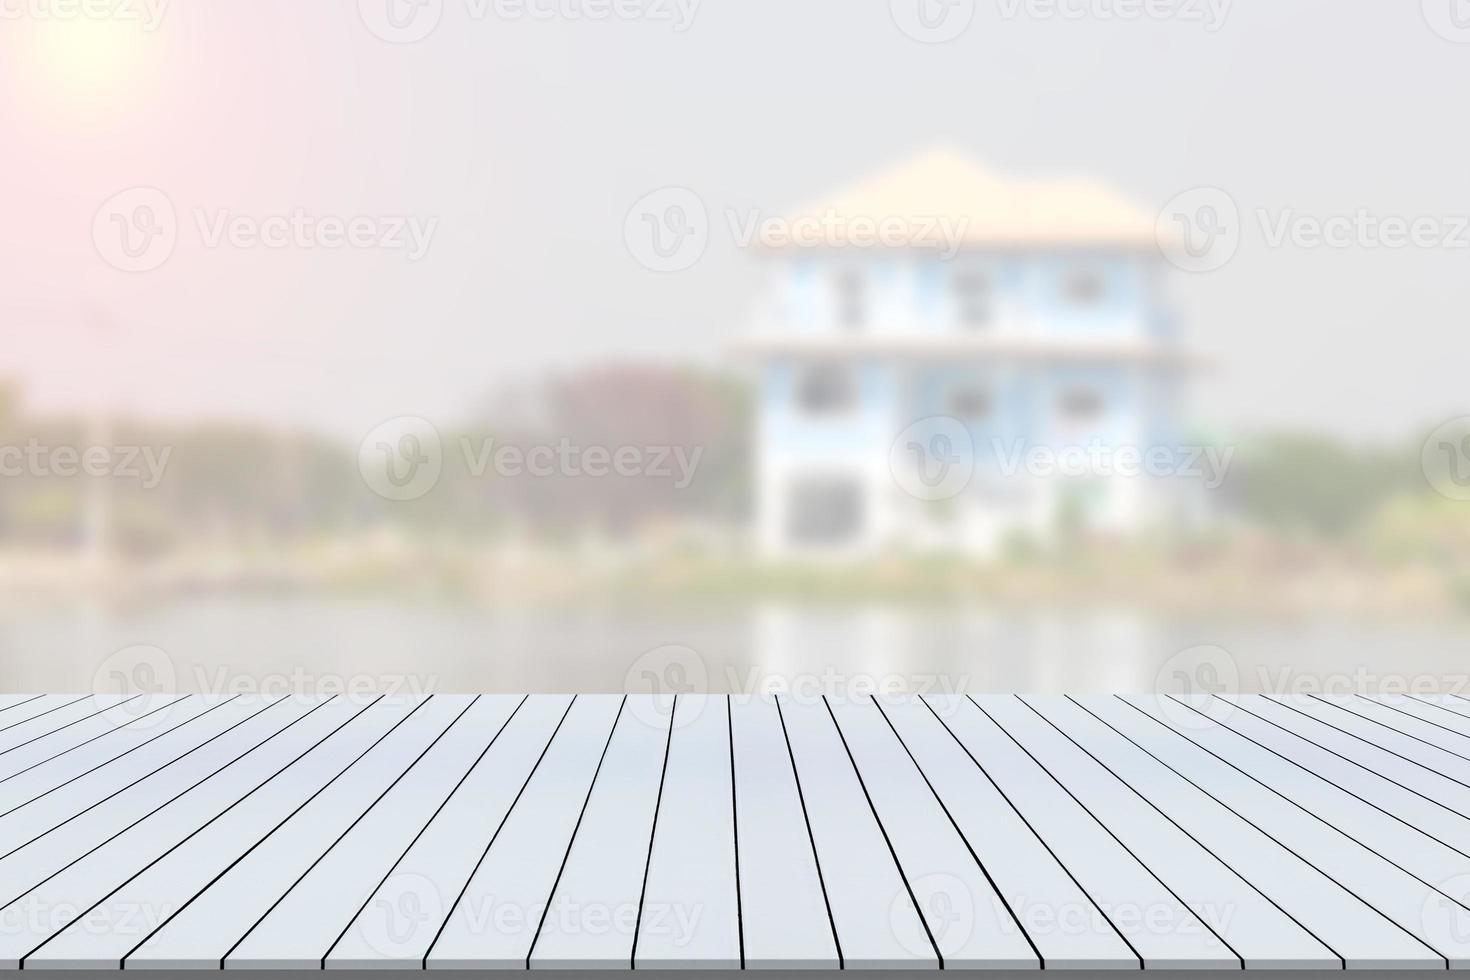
611, 831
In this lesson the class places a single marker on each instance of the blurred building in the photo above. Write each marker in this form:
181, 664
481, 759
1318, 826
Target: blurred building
932, 337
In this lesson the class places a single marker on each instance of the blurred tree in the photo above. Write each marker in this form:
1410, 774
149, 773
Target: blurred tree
1299, 482
656, 412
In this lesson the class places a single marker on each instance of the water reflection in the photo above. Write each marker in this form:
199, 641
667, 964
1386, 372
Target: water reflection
226, 643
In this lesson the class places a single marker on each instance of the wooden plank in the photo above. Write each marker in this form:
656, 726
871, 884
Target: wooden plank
54, 722
1359, 751
1263, 935
609, 855
1364, 937
37, 717
8, 701
1427, 711
76, 884
1357, 846
83, 811
29, 785
1070, 931
688, 916
495, 919
1390, 720
1456, 703
1423, 754
1419, 812
81, 732
1164, 931
396, 926
600, 832
970, 924
250, 854
784, 919
877, 924
295, 933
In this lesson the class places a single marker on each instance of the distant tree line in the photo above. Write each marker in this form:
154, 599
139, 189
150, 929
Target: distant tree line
244, 480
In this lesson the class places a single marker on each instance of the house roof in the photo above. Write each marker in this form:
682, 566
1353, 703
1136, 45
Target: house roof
944, 198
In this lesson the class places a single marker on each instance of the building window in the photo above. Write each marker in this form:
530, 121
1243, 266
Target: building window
1085, 288
852, 299
1081, 404
824, 510
971, 403
972, 298
826, 389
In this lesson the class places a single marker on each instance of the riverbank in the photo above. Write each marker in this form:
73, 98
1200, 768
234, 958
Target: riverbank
1239, 575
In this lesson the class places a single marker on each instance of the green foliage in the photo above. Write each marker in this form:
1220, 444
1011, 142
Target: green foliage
1295, 483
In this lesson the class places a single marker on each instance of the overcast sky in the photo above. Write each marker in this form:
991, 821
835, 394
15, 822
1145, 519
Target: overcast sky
514, 146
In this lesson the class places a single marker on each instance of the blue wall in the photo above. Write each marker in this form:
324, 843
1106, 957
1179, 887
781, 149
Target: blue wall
911, 296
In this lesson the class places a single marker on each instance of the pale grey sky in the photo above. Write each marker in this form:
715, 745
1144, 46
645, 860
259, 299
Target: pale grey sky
518, 145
